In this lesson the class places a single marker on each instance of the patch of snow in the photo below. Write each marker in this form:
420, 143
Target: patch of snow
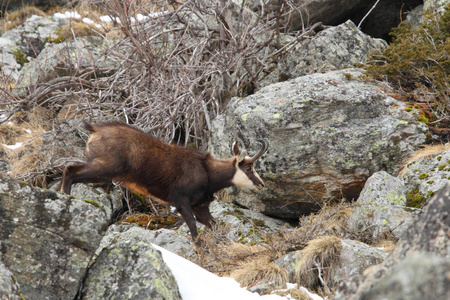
141, 17
310, 295
105, 19
196, 283
13, 147
67, 15
87, 21
27, 130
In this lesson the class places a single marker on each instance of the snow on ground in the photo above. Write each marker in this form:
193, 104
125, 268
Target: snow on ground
196, 283
13, 147
67, 15
106, 19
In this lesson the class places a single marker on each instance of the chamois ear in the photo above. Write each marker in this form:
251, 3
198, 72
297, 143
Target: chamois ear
235, 148
242, 156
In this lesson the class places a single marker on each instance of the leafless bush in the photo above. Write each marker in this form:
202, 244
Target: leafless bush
170, 73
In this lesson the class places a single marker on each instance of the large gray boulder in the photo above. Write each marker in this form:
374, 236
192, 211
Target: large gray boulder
381, 210
334, 48
423, 249
58, 60
26, 41
328, 133
47, 239
129, 267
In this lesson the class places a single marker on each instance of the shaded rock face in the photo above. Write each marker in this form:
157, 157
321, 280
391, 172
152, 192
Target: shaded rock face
328, 133
47, 239
381, 209
418, 276
129, 267
385, 16
13, 5
424, 246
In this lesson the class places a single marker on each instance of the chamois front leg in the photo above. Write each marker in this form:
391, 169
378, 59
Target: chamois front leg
185, 210
203, 215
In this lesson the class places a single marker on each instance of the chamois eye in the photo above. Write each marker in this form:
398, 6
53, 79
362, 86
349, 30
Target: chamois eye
248, 169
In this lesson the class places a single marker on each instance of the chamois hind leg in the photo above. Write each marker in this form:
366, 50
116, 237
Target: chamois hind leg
90, 172
203, 215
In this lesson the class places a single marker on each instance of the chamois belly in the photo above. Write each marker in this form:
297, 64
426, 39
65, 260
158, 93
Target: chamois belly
144, 191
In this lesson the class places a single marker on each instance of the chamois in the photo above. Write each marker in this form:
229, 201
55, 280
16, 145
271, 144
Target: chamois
181, 177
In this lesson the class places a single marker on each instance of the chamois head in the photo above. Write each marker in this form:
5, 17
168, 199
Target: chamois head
246, 175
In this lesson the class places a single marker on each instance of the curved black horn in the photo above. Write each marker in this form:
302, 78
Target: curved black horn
265, 146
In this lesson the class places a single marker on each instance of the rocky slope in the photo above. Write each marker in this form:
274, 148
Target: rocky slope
332, 133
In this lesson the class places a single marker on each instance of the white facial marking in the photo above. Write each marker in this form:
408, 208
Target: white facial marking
240, 179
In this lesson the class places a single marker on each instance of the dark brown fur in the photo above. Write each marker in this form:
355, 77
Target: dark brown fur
182, 177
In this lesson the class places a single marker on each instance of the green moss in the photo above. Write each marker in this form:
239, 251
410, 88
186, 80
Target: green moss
259, 223
430, 182
423, 176
93, 202
56, 40
408, 109
439, 158
415, 199
423, 119
20, 57
430, 194
441, 167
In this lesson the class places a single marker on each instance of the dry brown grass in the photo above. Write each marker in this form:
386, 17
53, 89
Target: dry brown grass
16, 18
387, 245
76, 29
319, 259
260, 269
28, 130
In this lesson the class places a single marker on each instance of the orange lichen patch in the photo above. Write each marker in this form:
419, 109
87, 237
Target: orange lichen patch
398, 96
150, 221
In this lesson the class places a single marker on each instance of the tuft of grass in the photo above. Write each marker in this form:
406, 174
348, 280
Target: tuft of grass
17, 17
260, 269
73, 30
149, 221
319, 258
28, 129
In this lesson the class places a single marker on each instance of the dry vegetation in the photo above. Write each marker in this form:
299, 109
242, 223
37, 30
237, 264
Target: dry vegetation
170, 75
318, 236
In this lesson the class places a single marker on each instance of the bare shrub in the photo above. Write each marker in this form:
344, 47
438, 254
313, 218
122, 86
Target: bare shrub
169, 71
